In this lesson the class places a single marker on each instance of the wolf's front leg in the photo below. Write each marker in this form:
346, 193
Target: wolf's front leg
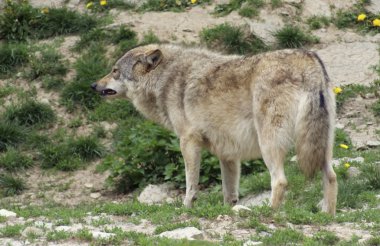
191, 151
230, 180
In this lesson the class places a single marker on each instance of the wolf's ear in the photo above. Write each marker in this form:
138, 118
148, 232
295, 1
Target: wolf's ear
153, 58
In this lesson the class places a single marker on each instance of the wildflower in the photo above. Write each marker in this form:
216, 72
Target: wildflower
89, 5
376, 22
337, 90
193, 1
347, 165
343, 146
44, 10
103, 2
361, 17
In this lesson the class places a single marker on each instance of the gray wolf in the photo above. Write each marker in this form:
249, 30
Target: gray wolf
238, 108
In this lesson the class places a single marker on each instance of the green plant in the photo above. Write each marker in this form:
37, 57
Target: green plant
232, 39
293, 37
317, 22
168, 5
276, 3
118, 109
150, 38
30, 113
371, 174
13, 160
52, 82
226, 8
11, 135
87, 148
326, 237
11, 185
248, 11
11, 230
7, 90
376, 108
12, 55
57, 235
284, 235
40, 23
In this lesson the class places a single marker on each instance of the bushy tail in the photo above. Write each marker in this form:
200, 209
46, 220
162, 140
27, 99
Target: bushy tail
315, 130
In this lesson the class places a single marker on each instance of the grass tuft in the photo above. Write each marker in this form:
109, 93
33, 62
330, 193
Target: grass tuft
12, 55
293, 37
13, 160
11, 135
11, 185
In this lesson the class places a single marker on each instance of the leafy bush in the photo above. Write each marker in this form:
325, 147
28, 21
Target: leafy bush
36, 23
30, 113
12, 55
11, 185
13, 160
232, 39
293, 37
10, 135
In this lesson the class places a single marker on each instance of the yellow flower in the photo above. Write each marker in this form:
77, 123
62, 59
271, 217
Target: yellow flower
337, 90
376, 22
347, 165
89, 5
193, 1
361, 17
343, 146
103, 2
44, 10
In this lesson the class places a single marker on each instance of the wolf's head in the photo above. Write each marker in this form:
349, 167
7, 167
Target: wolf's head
129, 70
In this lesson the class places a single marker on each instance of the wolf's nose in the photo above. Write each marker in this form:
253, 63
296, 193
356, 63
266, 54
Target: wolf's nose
93, 86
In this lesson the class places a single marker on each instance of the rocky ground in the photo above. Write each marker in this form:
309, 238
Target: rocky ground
350, 58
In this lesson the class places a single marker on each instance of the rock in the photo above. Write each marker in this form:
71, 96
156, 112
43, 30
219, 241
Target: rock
335, 163
353, 172
154, 194
374, 7
7, 214
316, 7
294, 159
256, 199
238, 208
373, 144
358, 159
252, 243
88, 185
73, 228
42, 224
358, 59
378, 196
102, 235
189, 233
339, 126
223, 217
265, 29
95, 195
293, 1
31, 231
45, 101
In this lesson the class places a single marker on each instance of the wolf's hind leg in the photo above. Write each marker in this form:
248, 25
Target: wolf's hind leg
330, 189
230, 180
191, 152
274, 156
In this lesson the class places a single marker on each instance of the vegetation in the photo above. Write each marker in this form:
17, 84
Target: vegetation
293, 37
169, 5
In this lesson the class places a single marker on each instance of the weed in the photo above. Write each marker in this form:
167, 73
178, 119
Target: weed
87, 148
371, 174
99, 132
168, 5
226, 8
85, 235
7, 90
57, 235
376, 108
95, 6
34, 23
75, 123
232, 39
248, 11
284, 235
11, 135
52, 82
326, 237
12, 55
118, 109
276, 3
150, 38
317, 22
30, 113
293, 37
13, 160
11, 230
11, 185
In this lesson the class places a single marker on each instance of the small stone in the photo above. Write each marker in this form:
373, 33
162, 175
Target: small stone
358, 159
32, 231
290, 225
335, 163
223, 217
88, 185
339, 126
294, 159
252, 243
238, 208
95, 195
255, 199
7, 214
353, 172
156, 194
189, 233
45, 101
373, 144
102, 235
378, 196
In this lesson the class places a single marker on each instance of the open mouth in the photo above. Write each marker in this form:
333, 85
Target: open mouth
107, 92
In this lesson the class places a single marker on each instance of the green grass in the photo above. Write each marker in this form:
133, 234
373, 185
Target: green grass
293, 37
7, 90
354, 90
30, 114
52, 83
376, 108
317, 22
11, 185
226, 8
32, 23
12, 56
284, 235
11, 135
118, 109
169, 5
11, 230
232, 39
276, 3
58, 235
13, 161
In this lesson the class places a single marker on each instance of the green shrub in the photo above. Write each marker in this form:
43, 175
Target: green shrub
317, 22
345, 18
293, 37
118, 109
13, 160
36, 23
376, 108
87, 148
248, 11
12, 55
46, 61
150, 38
232, 39
11, 135
30, 113
11, 185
